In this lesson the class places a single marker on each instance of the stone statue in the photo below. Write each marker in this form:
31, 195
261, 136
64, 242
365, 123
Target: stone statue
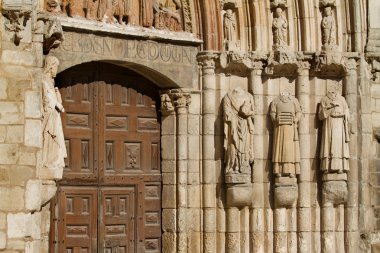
167, 14
54, 149
328, 29
92, 9
238, 131
110, 9
75, 8
334, 152
147, 12
229, 24
285, 112
280, 30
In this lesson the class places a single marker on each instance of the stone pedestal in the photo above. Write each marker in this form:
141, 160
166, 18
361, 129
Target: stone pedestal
239, 195
285, 192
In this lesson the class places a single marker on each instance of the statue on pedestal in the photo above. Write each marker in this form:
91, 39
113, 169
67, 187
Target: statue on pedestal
280, 30
238, 108
285, 112
334, 152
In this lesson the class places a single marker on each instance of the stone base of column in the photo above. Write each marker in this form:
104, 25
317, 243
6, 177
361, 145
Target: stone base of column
285, 192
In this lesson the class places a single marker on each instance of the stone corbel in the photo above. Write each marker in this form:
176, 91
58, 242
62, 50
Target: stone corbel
283, 63
334, 64
278, 3
326, 3
172, 99
17, 17
52, 32
239, 63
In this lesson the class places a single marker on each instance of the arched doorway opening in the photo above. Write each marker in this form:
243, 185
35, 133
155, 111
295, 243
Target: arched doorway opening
109, 199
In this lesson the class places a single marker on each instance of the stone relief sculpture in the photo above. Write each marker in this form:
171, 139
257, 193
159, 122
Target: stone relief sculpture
238, 131
334, 113
54, 149
280, 30
230, 26
285, 112
328, 26
161, 14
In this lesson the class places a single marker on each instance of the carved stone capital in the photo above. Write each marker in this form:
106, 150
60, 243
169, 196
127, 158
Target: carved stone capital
335, 64
17, 17
303, 67
207, 60
52, 31
174, 99
283, 63
241, 63
374, 62
278, 3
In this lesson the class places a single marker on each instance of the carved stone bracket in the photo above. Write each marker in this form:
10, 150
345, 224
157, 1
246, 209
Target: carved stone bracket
283, 63
17, 17
326, 3
172, 99
240, 63
52, 32
334, 192
278, 3
332, 64
374, 61
285, 192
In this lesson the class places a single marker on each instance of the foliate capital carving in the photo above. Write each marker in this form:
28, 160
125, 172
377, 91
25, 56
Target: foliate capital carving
349, 65
17, 17
325, 3
303, 67
278, 3
174, 99
241, 63
336, 64
207, 60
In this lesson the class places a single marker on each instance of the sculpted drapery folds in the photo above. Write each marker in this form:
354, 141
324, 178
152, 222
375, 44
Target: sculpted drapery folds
280, 30
54, 149
328, 28
229, 23
238, 131
285, 112
110, 9
334, 152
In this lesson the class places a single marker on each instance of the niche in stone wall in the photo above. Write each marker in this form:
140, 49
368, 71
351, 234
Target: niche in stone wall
231, 26
328, 25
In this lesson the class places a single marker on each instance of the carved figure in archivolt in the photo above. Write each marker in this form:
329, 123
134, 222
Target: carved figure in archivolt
229, 23
238, 108
280, 29
335, 114
54, 149
328, 28
285, 112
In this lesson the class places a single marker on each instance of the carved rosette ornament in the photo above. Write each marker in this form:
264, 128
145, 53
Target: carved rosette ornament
238, 106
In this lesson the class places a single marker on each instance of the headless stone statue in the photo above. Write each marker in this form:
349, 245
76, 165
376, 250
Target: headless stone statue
285, 112
54, 149
238, 131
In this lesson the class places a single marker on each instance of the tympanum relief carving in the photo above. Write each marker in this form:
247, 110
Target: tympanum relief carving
54, 148
285, 111
334, 113
160, 14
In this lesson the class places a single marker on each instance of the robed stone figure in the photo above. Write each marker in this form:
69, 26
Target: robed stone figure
238, 108
54, 149
280, 30
328, 28
285, 112
334, 152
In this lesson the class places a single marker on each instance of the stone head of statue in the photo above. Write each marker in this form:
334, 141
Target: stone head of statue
278, 12
51, 66
229, 13
328, 11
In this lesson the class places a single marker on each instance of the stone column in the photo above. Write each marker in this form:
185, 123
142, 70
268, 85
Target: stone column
304, 185
181, 103
350, 92
207, 61
257, 209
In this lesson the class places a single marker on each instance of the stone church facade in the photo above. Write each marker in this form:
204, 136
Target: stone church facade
189, 126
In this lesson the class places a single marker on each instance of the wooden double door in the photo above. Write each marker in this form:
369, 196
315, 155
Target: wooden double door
110, 197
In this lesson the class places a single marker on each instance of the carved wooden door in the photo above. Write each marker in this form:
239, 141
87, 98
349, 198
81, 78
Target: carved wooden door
110, 197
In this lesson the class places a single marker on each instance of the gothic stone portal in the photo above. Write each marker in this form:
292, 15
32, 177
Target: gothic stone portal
110, 197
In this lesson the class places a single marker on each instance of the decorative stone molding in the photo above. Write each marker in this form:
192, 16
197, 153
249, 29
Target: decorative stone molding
187, 17
52, 31
325, 3
16, 16
240, 63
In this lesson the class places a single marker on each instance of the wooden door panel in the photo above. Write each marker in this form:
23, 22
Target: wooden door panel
77, 219
117, 220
